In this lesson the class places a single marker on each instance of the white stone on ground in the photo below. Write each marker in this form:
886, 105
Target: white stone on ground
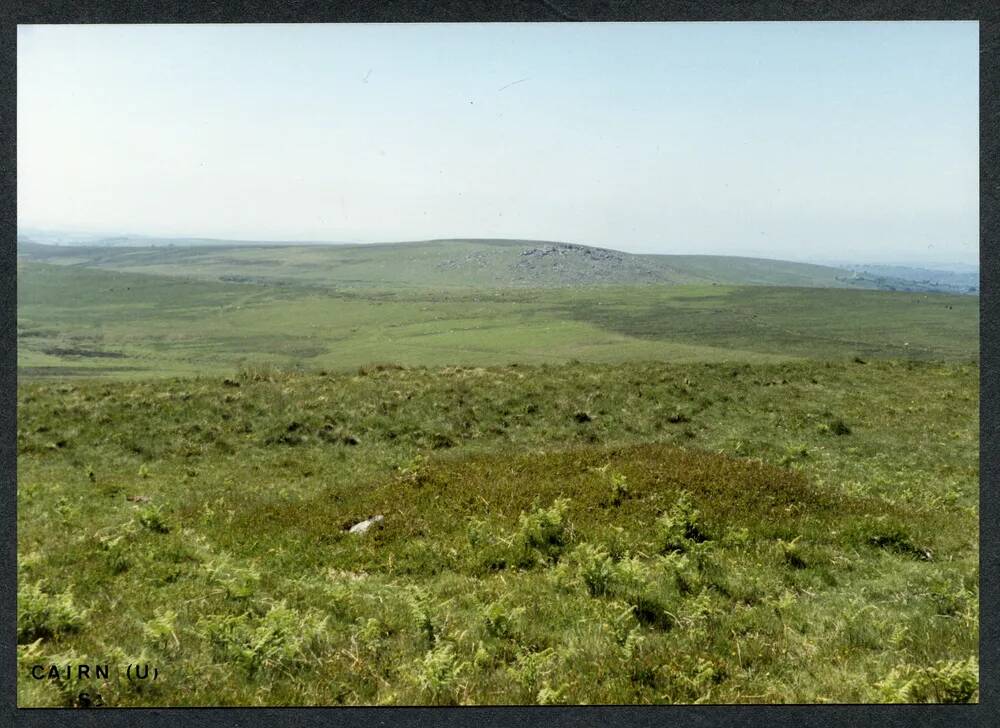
365, 525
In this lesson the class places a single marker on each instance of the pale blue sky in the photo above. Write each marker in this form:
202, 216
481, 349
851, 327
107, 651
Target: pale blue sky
784, 140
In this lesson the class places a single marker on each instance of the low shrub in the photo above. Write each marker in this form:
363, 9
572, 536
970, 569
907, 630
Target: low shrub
541, 534
679, 527
651, 597
41, 615
501, 620
619, 488
153, 518
437, 675
946, 681
281, 638
532, 671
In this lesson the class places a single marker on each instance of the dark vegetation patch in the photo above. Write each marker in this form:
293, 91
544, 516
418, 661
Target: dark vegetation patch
70, 371
77, 352
438, 498
895, 536
803, 322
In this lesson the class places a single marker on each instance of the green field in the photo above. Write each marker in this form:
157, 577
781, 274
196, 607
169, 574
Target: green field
725, 484
80, 320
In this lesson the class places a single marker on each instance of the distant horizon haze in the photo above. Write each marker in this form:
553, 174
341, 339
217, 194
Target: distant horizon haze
856, 141
82, 238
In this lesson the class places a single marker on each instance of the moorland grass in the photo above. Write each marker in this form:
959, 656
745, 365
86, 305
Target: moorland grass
582, 533
75, 321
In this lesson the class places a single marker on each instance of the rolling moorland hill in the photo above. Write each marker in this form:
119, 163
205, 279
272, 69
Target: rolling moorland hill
670, 490
438, 264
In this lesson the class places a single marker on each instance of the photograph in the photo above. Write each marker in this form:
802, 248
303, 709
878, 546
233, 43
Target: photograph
497, 364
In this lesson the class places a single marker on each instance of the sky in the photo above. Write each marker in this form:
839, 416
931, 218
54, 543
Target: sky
804, 141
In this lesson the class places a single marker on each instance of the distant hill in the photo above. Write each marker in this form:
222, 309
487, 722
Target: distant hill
464, 263
907, 278
138, 241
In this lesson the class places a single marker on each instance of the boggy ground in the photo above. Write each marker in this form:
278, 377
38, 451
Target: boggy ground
584, 533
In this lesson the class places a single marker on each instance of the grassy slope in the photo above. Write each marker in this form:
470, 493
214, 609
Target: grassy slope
822, 566
439, 264
75, 320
